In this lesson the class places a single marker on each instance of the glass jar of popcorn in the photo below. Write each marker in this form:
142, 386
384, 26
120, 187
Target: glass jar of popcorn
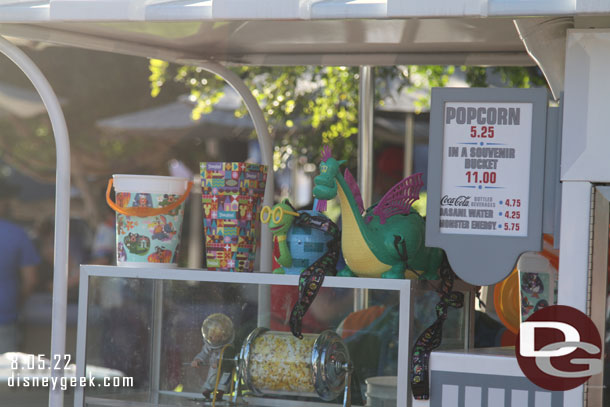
277, 363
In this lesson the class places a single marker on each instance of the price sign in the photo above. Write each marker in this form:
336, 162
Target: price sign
485, 178
486, 166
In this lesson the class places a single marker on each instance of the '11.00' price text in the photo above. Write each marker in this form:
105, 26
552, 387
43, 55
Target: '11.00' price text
478, 177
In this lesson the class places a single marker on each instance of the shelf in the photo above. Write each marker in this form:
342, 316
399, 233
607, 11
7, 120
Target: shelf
197, 401
185, 274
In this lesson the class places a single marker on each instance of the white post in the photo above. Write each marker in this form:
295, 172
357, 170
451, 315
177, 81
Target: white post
62, 205
365, 154
409, 152
365, 134
584, 161
574, 245
195, 242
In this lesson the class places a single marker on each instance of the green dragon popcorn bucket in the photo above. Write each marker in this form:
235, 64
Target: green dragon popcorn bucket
149, 213
232, 194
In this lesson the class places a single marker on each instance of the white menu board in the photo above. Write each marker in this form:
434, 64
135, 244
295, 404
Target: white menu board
486, 168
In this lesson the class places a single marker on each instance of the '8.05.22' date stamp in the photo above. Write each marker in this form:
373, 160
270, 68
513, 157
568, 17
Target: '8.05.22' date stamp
28, 362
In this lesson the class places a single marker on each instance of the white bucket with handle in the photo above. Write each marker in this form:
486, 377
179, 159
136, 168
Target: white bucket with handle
149, 213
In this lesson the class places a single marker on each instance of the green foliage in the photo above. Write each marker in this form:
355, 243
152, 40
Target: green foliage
309, 106
510, 76
521, 77
425, 77
476, 76
29, 144
421, 204
157, 77
304, 106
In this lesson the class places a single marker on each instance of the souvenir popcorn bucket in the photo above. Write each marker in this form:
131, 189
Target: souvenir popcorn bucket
537, 283
232, 195
149, 213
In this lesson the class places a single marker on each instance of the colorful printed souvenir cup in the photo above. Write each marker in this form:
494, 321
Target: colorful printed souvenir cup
149, 213
537, 282
232, 194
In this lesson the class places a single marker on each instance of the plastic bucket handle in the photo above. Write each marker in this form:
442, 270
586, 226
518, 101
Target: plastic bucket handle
143, 212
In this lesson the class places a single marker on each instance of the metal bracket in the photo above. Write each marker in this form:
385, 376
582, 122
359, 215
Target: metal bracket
347, 395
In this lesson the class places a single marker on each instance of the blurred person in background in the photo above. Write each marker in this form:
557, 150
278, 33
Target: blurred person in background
102, 250
18, 265
389, 171
78, 253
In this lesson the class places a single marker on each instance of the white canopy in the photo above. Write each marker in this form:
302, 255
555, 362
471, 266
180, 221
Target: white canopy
219, 10
292, 32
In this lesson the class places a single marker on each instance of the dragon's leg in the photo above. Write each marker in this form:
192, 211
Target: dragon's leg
397, 271
346, 272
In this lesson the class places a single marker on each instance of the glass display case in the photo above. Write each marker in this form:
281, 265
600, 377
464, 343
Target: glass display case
147, 324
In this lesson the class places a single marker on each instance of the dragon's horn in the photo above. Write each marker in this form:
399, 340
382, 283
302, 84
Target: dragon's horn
326, 153
321, 205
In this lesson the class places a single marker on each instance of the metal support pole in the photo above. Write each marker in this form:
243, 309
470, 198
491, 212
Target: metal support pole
62, 205
157, 329
365, 154
365, 134
409, 145
81, 335
195, 243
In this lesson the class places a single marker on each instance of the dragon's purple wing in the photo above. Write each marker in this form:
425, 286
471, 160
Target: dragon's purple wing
353, 186
400, 198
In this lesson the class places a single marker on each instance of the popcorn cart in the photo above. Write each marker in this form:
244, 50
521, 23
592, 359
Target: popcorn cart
152, 331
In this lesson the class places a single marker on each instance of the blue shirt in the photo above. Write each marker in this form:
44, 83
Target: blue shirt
16, 251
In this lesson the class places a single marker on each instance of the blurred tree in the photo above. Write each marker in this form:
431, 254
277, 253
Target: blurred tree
305, 107
91, 86
308, 106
